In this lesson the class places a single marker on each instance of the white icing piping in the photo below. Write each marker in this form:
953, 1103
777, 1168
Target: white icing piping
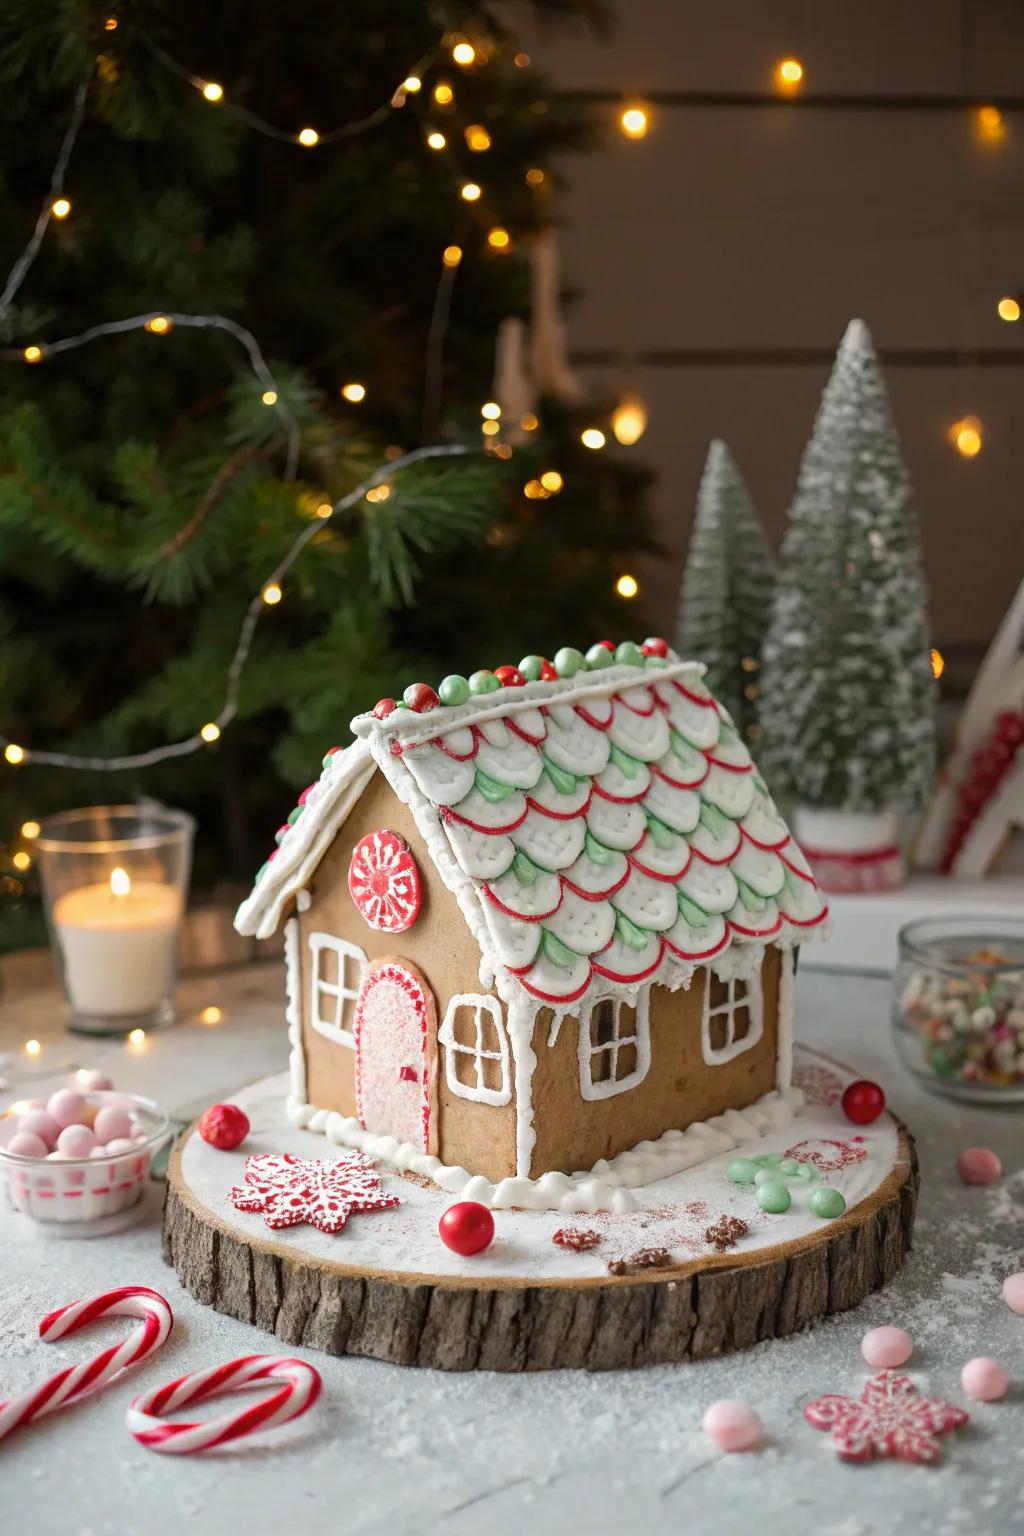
784, 1024
521, 1014
292, 1010
604, 1188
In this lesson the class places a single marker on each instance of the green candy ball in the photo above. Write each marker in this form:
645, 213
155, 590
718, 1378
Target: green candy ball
767, 1176
530, 667
789, 1167
629, 654
769, 1160
453, 690
741, 1170
807, 1172
484, 682
568, 661
826, 1201
774, 1197
599, 656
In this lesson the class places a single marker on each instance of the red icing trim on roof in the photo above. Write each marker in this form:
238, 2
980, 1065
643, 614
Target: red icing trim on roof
755, 933
621, 799
646, 713
599, 725
654, 874
715, 863
707, 954
549, 997
596, 895
682, 783
635, 975
808, 922
695, 698
730, 767
517, 730
559, 815
766, 847
521, 917
801, 874
460, 757
474, 826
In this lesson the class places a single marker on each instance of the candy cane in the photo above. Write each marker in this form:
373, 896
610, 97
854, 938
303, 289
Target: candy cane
298, 1390
75, 1381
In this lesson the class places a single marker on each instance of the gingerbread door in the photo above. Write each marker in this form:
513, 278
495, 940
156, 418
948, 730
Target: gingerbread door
395, 1032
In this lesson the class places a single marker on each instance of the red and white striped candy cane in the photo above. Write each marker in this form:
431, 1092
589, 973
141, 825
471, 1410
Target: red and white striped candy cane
76, 1381
298, 1387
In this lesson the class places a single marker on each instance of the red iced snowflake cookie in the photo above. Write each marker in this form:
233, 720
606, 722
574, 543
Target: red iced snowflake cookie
384, 882
889, 1418
289, 1190
579, 1239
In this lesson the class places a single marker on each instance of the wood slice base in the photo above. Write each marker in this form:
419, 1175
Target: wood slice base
296, 1289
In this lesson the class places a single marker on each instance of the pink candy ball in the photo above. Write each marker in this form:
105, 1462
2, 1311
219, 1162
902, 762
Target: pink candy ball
1013, 1292
93, 1082
27, 1144
977, 1165
886, 1347
99, 1152
984, 1378
112, 1124
66, 1106
76, 1141
731, 1425
120, 1144
39, 1122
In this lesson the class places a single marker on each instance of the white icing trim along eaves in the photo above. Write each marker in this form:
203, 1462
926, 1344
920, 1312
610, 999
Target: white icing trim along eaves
607, 1185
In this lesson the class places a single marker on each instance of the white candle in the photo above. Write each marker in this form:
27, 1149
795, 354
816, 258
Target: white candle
118, 942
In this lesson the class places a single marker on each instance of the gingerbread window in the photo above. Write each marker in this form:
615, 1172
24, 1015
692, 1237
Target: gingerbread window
336, 974
733, 1018
476, 1054
614, 1045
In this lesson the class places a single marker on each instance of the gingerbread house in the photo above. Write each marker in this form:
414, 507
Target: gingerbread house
540, 931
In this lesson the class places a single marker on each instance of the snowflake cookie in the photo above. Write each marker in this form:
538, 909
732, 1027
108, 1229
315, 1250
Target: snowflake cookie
289, 1190
890, 1418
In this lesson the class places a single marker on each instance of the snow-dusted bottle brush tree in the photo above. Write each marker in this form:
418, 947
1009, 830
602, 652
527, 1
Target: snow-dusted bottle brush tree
726, 596
847, 697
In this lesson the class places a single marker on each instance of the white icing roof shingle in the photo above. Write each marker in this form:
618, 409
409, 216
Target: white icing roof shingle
599, 831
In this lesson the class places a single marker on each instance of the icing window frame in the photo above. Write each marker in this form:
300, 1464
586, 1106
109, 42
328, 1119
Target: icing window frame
477, 1092
640, 1040
340, 992
750, 1000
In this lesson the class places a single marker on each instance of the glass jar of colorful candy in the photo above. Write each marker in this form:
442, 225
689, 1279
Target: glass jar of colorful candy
958, 1005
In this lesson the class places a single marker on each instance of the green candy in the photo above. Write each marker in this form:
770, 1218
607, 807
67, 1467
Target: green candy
599, 656
629, 654
767, 1176
741, 1170
774, 1197
808, 1173
568, 661
530, 667
769, 1160
484, 682
293, 816
453, 690
790, 1168
261, 872
826, 1201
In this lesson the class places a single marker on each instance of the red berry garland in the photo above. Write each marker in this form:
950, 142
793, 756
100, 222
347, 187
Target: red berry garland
466, 1228
863, 1101
224, 1126
988, 767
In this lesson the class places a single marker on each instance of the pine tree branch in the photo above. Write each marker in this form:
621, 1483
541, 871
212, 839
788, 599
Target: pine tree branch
228, 471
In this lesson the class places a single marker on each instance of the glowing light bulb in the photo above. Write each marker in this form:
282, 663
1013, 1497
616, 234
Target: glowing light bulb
158, 325
354, 392
788, 74
120, 882
521, 61
30, 829
136, 1037
269, 397
412, 84
552, 481
470, 191
534, 491
627, 586
490, 428
592, 437
534, 176
211, 730
629, 420
32, 1047
271, 593
938, 663
634, 122
378, 493
529, 422
499, 238
307, 137
503, 450
212, 91
490, 410
14, 754
325, 509
966, 437
110, 25
477, 138
443, 94
61, 208
464, 54
451, 255
1008, 309
33, 354
989, 124
211, 1015
22, 860
436, 140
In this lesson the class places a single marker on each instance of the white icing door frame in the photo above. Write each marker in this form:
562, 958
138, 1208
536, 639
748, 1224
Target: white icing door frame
640, 1039
326, 991
751, 998
479, 1092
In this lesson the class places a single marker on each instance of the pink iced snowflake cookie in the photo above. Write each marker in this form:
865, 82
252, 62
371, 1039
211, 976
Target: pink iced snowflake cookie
826, 1155
288, 1190
890, 1418
384, 882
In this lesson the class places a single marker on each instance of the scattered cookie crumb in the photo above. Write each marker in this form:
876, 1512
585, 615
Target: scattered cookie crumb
643, 1258
579, 1239
726, 1232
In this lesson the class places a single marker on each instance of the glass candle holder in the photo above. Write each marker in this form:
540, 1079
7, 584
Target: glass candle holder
114, 882
958, 1006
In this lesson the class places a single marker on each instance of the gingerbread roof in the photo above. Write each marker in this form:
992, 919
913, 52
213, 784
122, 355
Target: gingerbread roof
599, 830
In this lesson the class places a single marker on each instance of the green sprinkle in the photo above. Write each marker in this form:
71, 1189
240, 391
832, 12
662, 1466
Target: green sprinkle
557, 952
561, 778
524, 869
628, 931
717, 824
483, 682
568, 661
629, 654
294, 815
741, 1170
661, 836
826, 1202
626, 765
694, 915
598, 657
261, 872
774, 1198
453, 690
751, 900
530, 667
491, 789
685, 751
596, 852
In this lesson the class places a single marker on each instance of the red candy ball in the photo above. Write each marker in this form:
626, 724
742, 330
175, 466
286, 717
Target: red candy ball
863, 1101
467, 1227
548, 674
609, 645
223, 1126
420, 697
655, 647
384, 707
510, 677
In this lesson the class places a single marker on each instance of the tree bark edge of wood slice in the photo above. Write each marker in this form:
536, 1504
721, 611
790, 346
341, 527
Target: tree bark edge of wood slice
693, 1311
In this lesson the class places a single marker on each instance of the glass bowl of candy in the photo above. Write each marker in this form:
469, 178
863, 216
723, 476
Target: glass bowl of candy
958, 1006
78, 1161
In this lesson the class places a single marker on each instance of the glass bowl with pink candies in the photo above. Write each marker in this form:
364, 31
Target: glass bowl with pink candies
78, 1161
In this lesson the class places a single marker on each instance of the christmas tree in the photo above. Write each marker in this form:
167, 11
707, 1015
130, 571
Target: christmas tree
312, 221
847, 693
727, 589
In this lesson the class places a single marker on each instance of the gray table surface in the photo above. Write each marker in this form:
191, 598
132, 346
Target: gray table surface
393, 1450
